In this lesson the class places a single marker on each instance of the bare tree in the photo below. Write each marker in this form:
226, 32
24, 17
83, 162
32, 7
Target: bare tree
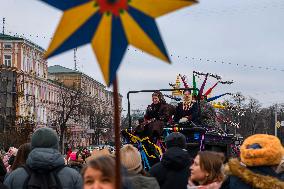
66, 111
100, 115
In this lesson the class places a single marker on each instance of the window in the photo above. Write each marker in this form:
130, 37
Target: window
7, 45
8, 60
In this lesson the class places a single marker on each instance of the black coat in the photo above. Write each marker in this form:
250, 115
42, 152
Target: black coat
173, 171
161, 111
191, 112
3, 171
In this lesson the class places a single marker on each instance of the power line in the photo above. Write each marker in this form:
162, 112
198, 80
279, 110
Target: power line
185, 58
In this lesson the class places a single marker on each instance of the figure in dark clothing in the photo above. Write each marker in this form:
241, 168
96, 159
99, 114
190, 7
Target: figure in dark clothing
260, 154
187, 109
157, 115
3, 171
173, 170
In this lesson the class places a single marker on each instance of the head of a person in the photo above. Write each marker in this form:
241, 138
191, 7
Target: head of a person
157, 97
22, 156
175, 139
45, 138
187, 96
207, 167
131, 159
99, 173
261, 150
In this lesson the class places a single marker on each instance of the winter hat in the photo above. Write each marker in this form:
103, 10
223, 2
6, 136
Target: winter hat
261, 150
98, 153
131, 158
175, 139
45, 138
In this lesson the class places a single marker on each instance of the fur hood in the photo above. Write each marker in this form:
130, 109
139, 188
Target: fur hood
235, 168
280, 168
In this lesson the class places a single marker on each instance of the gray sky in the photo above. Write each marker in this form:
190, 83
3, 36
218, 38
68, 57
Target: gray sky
244, 32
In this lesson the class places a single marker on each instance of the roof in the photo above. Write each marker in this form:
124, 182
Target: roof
60, 69
16, 38
57, 69
9, 37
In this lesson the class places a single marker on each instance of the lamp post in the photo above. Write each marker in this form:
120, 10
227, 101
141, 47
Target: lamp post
275, 127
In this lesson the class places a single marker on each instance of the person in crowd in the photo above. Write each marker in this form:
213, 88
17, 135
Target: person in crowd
75, 160
100, 174
8, 158
173, 170
22, 156
44, 159
260, 155
68, 154
131, 160
157, 115
280, 169
206, 170
3, 171
98, 153
186, 110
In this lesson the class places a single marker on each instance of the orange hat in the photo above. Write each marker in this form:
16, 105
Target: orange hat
261, 150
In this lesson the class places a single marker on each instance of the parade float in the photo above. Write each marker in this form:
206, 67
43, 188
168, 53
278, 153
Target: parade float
202, 128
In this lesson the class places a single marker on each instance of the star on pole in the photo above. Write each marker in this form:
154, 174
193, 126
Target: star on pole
110, 26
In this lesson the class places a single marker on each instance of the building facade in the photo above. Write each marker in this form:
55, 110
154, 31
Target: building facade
38, 88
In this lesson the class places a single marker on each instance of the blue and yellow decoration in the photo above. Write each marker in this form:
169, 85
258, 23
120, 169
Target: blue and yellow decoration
110, 25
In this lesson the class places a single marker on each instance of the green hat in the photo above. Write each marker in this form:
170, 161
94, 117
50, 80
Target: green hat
45, 138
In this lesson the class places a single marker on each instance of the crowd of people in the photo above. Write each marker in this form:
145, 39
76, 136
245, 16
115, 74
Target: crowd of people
39, 164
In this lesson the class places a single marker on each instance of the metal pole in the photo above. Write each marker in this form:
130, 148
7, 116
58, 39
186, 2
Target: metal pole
117, 134
275, 120
3, 26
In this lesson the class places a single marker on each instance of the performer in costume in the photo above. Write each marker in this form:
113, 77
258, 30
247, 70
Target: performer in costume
157, 115
188, 109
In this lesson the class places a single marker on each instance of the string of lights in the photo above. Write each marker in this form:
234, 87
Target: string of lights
181, 58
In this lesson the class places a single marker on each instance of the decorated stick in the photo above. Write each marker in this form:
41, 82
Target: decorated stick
202, 86
216, 97
183, 81
194, 86
210, 90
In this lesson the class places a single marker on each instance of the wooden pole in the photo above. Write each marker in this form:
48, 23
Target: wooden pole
117, 134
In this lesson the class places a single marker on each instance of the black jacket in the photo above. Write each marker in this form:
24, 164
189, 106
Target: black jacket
173, 171
2, 171
161, 111
192, 112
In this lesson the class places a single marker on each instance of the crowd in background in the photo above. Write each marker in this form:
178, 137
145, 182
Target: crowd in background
39, 164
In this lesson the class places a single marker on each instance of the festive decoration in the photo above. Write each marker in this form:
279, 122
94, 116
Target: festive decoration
183, 78
172, 97
202, 86
210, 89
216, 97
194, 86
226, 82
177, 86
110, 25
209, 74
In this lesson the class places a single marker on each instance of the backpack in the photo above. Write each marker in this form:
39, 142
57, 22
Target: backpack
42, 180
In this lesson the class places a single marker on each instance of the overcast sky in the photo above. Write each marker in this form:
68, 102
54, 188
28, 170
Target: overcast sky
249, 33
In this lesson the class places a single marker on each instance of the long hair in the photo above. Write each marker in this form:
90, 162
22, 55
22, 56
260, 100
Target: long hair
22, 156
160, 96
212, 163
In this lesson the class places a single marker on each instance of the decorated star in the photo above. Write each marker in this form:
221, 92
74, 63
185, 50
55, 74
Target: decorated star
110, 25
